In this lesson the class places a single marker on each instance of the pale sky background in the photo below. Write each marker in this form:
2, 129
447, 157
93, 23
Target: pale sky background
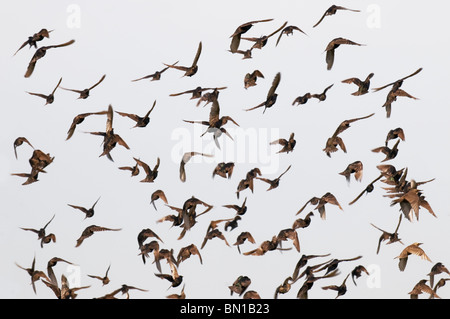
129, 39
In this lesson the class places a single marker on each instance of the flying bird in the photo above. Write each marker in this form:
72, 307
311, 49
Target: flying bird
89, 212
174, 277
41, 231
18, 142
327, 198
189, 70
284, 288
158, 194
437, 269
250, 78
334, 263
260, 42
357, 272
224, 170
141, 121
90, 230
420, 288
104, 279
52, 263
240, 210
84, 94
243, 28
186, 158
303, 222
151, 174
331, 11
322, 96
273, 182
32, 40
288, 144
48, 98
398, 83
341, 289
80, 119
412, 249
390, 237
188, 251
154, 76
289, 30
332, 46
271, 95
355, 168
240, 285
390, 153
40, 53
197, 92
241, 238
34, 274
363, 86
302, 99
395, 133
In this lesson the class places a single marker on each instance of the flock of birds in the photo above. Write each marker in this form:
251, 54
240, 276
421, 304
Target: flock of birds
404, 191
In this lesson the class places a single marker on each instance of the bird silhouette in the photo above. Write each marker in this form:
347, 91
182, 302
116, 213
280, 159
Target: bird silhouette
40, 53
332, 11
302, 262
197, 92
189, 70
363, 85
49, 99
390, 237
140, 121
188, 251
84, 94
41, 232
240, 285
332, 46
89, 212
412, 249
185, 159
334, 263
437, 269
355, 168
91, 230
32, 40
224, 170
284, 288
398, 83
322, 96
395, 133
156, 76
174, 277
273, 182
158, 194
303, 222
289, 233
420, 288
240, 210
151, 174
327, 198
34, 274
341, 289
289, 30
104, 279
271, 95
251, 78
288, 144
241, 238
80, 119
243, 28
302, 99
18, 142
260, 42
52, 263
357, 272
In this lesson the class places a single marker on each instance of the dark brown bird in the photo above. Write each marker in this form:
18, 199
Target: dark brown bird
189, 70
133, 169
140, 121
333, 264
158, 194
410, 202
197, 92
174, 277
289, 233
242, 237
303, 262
331, 11
437, 269
52, 263
213, 234
251, 294
146, 249
18, 142
64, 292
335, 140
47, 239
341, 290
439, 284
104, 279
260, 42
322, 96
186, 158
392, 97
110, 139
89, 212
233, 223
40, 160
390, 237
84, 94
327, 198
284, 288
32, 177
243, 28
369, 188
265, 246
288, 144
182, 295
303, 222
421, 287
146, 233
80, 119
34, 274
309, 282
363, 86
398, 83
353, 168
412, 249
248, 181
155, 76
240, 285
32, 40
332, 46
224, 170
312, 201
395, 133
240, 210
90, 230
151, 174
209, 97
289, 30
188, 251
302, 99
390, 153
357, 272
125, 290
271, 95
41, 231
246, 54
250, 78
49, 99
40, 53
273, 182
